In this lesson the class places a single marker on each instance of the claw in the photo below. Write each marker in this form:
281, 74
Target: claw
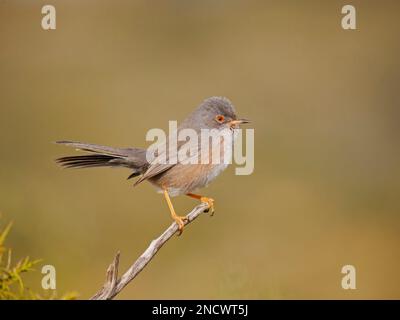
180, 221
208, 201
210, 205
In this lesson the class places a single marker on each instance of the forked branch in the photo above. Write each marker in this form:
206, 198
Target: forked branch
114, 285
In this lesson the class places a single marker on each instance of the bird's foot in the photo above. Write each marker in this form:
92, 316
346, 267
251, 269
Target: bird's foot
180, 221
210, 205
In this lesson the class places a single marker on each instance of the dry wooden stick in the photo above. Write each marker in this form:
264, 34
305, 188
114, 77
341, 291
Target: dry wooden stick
113, 285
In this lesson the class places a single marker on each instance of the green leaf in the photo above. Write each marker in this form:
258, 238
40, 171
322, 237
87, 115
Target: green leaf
4, 233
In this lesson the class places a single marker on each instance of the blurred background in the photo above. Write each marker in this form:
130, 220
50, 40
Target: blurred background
325, 108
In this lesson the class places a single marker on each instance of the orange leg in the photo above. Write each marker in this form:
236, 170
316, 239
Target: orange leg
209, 201
180, 221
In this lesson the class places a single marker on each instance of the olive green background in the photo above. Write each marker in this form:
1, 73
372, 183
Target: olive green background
325, 108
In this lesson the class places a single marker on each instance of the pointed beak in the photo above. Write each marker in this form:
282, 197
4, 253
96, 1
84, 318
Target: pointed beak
239, 121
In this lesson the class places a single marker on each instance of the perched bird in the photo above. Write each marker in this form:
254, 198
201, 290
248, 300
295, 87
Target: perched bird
172, 178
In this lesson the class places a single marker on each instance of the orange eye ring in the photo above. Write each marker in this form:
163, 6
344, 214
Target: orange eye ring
220, 118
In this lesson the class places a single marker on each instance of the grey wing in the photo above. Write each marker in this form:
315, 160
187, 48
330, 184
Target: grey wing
154, 170
155, 167
161, 162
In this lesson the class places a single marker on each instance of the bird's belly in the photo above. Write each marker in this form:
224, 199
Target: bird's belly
185, 178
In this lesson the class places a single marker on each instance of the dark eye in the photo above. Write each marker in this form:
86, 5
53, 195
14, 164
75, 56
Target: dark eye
220, 118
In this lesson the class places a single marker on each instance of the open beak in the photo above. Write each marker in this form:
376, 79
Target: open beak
239, 121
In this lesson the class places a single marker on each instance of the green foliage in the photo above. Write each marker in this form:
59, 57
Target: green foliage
11, 275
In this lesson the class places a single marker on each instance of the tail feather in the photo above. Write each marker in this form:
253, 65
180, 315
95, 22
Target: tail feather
89, 161
89, 147
103, 156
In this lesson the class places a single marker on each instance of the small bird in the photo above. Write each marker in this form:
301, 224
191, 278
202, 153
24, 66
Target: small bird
172, 178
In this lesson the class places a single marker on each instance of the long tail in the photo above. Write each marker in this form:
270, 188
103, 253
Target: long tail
133, 158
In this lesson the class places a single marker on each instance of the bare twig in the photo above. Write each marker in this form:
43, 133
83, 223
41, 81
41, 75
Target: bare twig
113, 285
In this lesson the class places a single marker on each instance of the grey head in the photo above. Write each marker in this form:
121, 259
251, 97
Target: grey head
213, 113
